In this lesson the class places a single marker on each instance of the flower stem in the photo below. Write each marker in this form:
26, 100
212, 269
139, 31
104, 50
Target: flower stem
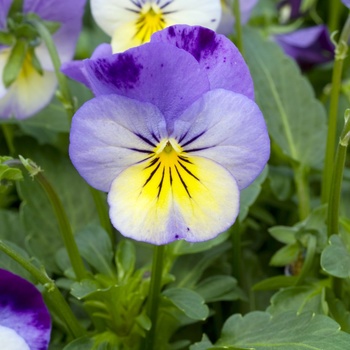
102, 212
56, 298
340, 54
238, 25
154, 295
334, 12
301, 183
64, 93
338, 170
65, 227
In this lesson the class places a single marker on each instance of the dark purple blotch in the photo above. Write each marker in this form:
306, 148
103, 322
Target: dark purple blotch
122, 71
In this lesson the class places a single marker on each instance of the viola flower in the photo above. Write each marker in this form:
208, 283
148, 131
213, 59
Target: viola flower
132, 22
289, 9
25, 322
308, 46
227, 22
173, 135
20, 100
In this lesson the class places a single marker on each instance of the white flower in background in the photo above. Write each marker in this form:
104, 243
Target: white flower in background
132, 22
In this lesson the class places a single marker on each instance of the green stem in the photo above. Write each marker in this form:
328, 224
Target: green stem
154, 295
334, 12
102, 212
302, 187
333, 111
65, 227
65, 94
338, 171
238, 25
57, 300
8, 134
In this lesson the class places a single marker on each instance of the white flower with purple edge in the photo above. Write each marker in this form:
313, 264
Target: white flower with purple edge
132, 22
21, 100
25, 322
173, 134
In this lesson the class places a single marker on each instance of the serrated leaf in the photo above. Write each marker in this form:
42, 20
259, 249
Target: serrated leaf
188, 301
286, 331
335, 259
296, 120
299, 299
84, 288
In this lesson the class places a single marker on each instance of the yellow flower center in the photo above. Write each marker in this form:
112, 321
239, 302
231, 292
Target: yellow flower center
150, 20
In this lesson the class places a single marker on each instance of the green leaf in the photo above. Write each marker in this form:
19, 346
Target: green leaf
95, 247
188, 301
299, 299
217, 288
284, 234
84, 343
14, 63
335, 259
204, 344
43, 235
276, 282
7, 38
125, 259
250, 194
84, 288
285, 255
296, 120
286, 331
281, 180
11, 227
8, 173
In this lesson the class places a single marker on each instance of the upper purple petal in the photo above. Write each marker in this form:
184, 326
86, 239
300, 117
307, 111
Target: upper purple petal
4, 9
218, 57
158, 73
76, 69
308, 46
22, 309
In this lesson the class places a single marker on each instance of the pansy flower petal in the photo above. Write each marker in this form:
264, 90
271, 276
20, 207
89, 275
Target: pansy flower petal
217, 56
110, 133
174, 197
23, 311
69, 15
147, 73
229, 129
76, 69
21, 100
5, 7
132, 22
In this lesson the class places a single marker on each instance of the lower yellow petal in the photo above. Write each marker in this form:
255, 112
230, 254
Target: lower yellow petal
173, 197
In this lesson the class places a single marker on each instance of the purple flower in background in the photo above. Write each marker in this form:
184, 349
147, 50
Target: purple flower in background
25, 322
308, 46
289, 9
173, 134
227, 22
20, 100
346, 3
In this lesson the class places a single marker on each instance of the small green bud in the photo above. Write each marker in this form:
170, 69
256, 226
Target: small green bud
32, 168
15, 62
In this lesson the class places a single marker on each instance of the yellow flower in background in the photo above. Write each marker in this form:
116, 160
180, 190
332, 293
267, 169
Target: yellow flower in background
132, 22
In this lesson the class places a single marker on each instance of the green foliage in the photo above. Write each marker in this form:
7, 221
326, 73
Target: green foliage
289, 331
284, 96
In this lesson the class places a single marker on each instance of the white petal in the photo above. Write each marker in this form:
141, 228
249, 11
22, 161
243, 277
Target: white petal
4, 55
10, 340
28, 94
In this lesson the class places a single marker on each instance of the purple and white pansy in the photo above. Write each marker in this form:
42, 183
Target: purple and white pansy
25, 322
172, 135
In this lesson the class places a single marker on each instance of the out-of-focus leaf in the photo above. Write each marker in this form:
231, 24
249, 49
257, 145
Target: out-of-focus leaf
284, 96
